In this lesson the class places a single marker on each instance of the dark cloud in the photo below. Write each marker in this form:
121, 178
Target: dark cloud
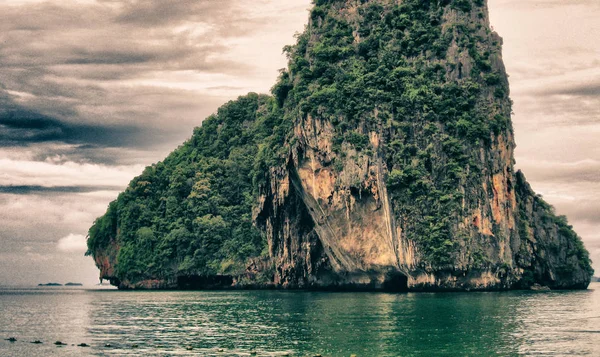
578, 200
27, 190
160, 13
102, 73
584, 171
109, 58
536, 5
586, 90
224, 88
579, 211
20, 126
562, 106
225, 18
123, 33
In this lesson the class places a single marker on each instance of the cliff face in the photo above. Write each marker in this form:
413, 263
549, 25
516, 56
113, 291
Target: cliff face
384, 161
421, 190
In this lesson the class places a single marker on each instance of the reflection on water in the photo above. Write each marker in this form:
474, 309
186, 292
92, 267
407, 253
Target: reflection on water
299, 323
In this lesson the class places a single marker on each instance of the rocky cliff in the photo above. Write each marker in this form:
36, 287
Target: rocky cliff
384, 160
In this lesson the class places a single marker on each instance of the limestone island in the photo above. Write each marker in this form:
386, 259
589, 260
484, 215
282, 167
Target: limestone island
383, 160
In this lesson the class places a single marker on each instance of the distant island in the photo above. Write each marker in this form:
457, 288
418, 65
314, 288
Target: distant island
58, 284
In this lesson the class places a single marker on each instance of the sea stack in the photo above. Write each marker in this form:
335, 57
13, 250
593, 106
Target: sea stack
382, 161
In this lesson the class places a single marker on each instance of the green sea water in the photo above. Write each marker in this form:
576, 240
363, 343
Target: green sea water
276, 323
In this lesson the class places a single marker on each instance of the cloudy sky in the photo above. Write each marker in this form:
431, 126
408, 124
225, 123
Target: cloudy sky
91, 91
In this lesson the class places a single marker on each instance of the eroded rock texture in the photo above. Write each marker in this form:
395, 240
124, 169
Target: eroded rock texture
360, 230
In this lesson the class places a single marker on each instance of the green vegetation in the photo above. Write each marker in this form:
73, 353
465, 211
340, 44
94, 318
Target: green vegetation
385, 69
191, 214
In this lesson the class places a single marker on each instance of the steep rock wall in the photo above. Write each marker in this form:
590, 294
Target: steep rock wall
367, 236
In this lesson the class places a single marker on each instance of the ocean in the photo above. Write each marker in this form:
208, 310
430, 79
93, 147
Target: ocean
284, 323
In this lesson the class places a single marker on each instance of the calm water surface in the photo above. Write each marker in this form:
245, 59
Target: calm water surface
299, 323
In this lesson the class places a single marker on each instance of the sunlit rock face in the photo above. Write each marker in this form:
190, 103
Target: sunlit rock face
395, 168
